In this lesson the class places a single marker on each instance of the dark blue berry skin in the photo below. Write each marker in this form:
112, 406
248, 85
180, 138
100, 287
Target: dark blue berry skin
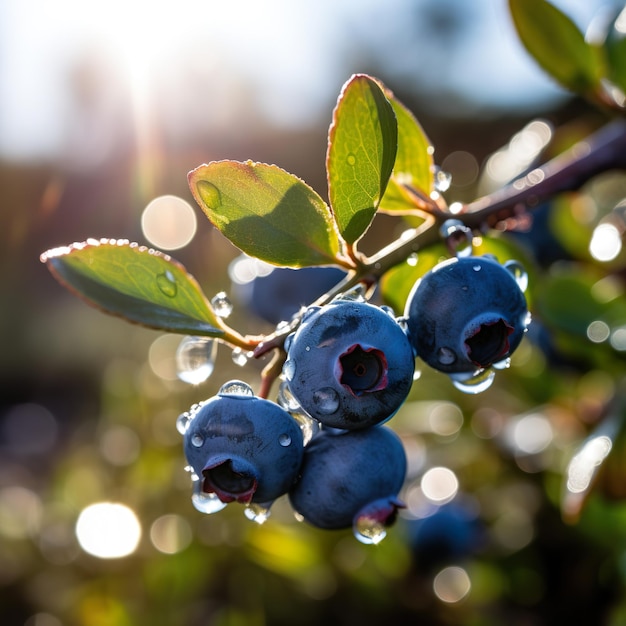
284, 291
466, 314
244, 448
344, 472
349, 364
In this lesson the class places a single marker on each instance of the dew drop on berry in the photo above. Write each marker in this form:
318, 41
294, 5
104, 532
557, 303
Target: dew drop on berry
326, 400
284, 440
289, 369
458, 238
195, 359
502, 365
182, 422
257, 512
288, 341
519, 273
197, 440
477, 267
239, 357
369, 531
442, 180
235, 388
285, 398
222, 306
446, 356
355, 294
308, 425
389, 310
205, 502
473, 383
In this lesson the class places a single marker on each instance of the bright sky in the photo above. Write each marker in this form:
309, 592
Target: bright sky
204, 61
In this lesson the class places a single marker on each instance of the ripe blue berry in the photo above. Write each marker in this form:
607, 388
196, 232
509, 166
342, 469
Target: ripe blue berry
244, 448
466, 314
349, 364
350, 474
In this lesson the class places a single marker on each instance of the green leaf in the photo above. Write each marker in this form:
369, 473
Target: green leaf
362, 145
139, 284
557, 44
267, 213
414, 164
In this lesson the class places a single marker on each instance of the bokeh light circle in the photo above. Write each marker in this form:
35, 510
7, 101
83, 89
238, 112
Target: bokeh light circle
169, 222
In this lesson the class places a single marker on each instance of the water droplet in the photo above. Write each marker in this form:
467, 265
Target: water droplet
458, 238
167, 284
403, 322
182, 423
284, 440
519, 273
197, 440
195, 359
298, 516
289, 369
221, 304
351, 159
446, 356
477, 267
502, 365
286, 399
236, 388
209, 194
257, 512
412, 259
308, 426
239, 357
309, 312
527, 320
326, 400
388, 310
369, 531
288, 341
205, 502
417, 374
356, 294
442, 180
473, 383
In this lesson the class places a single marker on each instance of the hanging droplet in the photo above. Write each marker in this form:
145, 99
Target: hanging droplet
166, 282
326, 400
519, 273
195, 359
289, 369
412, 259
205, 502
182, 422
458, 238
235, 388
442, 180
369, 531
308, 426
473, 383
257, 512
502, 365
285, 398
222, 306
239, 357
446, 356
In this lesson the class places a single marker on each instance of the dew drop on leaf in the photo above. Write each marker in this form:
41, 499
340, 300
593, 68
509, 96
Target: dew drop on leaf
195, 359
222, 306
257, 512
326, 400
519, 273
167, 284
351, 159
235, 388
205, 502
209, 194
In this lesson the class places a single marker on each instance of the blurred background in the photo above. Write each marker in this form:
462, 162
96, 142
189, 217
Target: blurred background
105, 107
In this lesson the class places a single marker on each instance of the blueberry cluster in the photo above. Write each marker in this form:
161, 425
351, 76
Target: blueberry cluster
349, 367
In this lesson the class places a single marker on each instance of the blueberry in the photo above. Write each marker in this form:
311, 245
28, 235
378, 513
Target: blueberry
244, 448
349, 364
348, 474
466, 314
280, 294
